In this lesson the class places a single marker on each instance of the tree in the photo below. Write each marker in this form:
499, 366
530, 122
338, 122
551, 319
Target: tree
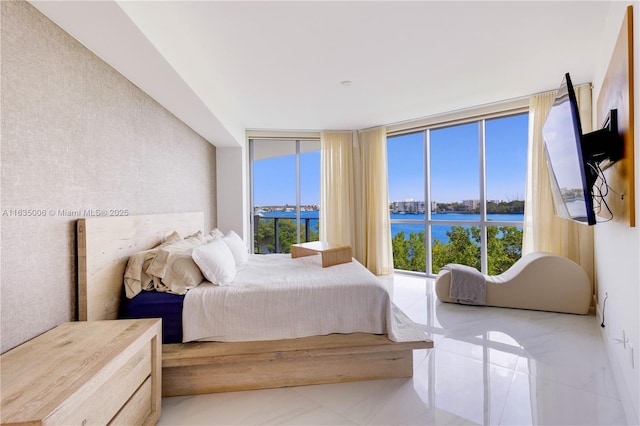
418, 251
400, 248
409, 254
504, 248
463, 248
505, 207
264, 241
287, 235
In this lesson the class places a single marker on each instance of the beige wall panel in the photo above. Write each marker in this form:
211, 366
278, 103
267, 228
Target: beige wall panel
76, 135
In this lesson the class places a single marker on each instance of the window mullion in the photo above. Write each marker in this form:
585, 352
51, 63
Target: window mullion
252, 224
297, 191
427, 203
483, 199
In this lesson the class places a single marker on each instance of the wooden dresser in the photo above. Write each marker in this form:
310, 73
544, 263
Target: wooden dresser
85, 373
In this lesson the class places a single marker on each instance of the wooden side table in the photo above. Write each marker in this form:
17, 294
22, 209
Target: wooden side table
96, 372
331, 253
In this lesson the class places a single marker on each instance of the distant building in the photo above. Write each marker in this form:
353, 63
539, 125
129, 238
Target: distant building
471, 204
409, 207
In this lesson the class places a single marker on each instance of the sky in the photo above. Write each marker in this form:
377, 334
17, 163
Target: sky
454, 166
274, 182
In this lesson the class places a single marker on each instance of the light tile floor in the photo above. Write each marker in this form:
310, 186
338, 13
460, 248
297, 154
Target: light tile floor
488, 366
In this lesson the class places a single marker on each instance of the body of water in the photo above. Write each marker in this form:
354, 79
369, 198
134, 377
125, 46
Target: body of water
437, 231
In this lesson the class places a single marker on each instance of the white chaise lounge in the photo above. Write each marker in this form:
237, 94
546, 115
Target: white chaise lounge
538, 281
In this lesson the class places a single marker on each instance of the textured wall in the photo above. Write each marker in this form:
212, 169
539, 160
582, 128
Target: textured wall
77, 136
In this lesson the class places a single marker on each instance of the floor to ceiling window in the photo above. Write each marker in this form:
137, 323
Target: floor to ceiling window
457, 194
285, 193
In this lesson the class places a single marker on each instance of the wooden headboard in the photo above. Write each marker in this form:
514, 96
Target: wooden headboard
104, 247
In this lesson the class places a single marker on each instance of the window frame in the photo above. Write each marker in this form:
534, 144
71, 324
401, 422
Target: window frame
480, 116
298, 152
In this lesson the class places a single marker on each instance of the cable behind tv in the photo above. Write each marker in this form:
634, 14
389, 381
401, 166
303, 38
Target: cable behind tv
600, 192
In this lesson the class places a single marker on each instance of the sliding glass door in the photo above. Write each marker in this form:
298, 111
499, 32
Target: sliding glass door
285, 193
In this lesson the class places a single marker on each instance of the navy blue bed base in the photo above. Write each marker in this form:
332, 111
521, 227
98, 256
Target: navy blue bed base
153, 304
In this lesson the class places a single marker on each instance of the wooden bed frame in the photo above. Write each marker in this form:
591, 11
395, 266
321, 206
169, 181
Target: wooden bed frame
104, 247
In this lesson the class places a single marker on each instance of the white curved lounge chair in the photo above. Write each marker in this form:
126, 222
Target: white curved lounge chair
538, 281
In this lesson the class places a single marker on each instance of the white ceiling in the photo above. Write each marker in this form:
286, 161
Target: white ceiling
224, 67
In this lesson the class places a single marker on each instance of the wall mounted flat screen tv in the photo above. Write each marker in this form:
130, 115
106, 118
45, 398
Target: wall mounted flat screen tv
573, 158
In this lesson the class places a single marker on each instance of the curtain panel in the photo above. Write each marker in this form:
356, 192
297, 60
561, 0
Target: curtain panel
354, 196
543, 230
337, 198
373, 237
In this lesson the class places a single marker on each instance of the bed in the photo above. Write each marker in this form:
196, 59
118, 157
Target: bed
104, 247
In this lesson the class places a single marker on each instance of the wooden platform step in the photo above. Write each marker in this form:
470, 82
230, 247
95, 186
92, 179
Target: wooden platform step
206, 367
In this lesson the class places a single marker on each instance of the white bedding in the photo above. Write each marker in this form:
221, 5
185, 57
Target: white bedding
276, 297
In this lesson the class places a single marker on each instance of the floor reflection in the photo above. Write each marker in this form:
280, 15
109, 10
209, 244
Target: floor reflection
488, 366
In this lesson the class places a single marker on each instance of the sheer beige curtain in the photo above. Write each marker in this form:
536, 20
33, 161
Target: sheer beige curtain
543, 230
373, 236
337, 199
354, 205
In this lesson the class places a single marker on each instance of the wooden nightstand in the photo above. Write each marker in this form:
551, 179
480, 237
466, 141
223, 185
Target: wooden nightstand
94, 372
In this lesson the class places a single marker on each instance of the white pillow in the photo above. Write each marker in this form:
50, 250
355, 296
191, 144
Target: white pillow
216, 262
237, 247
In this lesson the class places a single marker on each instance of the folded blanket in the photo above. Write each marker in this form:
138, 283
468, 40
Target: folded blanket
468, 285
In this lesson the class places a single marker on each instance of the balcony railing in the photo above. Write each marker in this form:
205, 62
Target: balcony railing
275, 234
